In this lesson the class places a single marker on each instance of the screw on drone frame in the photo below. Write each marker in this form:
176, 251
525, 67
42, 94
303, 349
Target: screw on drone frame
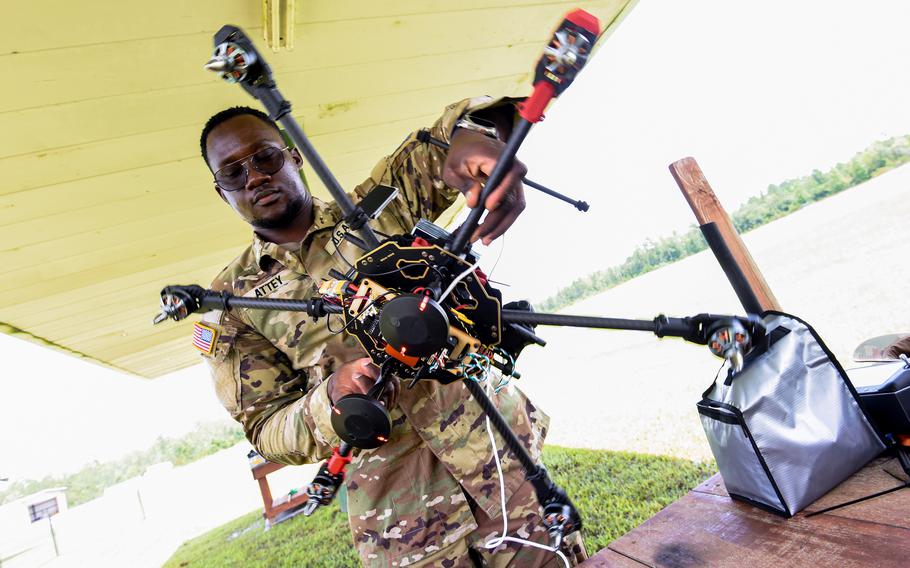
236, 61
563, 58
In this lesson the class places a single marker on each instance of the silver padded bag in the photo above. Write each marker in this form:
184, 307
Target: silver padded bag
789, 427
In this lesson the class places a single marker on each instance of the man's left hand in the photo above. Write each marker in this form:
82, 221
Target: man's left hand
472, 157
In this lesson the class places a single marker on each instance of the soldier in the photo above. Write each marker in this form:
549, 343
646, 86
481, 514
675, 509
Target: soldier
431, 495
901, 346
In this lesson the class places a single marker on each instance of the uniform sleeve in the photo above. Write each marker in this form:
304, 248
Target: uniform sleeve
898, 348
415, 168
285, 412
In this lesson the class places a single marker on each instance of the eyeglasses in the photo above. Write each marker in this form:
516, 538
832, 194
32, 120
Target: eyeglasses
233, 176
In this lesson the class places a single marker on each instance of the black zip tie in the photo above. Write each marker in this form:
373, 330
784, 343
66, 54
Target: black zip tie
903, 485
894, 476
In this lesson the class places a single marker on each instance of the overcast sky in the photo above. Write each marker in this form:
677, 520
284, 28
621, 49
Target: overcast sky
756, 92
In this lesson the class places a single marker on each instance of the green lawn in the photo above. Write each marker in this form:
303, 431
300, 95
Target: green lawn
614, 492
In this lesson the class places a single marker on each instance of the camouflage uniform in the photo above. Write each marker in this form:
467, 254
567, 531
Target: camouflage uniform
408, 499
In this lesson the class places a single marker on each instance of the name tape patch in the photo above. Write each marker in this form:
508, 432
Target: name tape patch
269, 287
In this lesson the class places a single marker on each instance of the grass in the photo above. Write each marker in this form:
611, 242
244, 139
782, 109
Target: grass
614, 492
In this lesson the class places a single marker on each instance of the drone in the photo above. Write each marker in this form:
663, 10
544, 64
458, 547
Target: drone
418, 303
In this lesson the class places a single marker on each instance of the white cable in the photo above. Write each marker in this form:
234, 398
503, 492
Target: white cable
502, 246
457, 280
496, 541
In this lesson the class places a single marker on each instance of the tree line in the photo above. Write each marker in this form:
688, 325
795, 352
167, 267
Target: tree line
89, 482
779, 200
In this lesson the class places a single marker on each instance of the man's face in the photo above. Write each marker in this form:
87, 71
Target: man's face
267, 201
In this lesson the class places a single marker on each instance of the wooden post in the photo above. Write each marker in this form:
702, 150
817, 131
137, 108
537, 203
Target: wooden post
266, 497
50, 524
708, 210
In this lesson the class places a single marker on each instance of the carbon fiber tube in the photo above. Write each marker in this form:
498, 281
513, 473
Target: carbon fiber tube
424, 136
534, 318
499, 423
280, 107
315, 307
308, 306
661, 326
580, 205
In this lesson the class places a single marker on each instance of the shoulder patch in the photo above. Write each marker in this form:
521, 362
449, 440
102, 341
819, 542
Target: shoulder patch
331, 246
204, 338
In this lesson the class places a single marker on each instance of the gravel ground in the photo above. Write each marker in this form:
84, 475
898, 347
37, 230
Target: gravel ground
840, 264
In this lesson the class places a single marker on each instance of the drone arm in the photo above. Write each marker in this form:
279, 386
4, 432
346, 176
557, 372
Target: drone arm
563, 58
559, 514
177, 302
661, 325
280, 108
315, 307
695, 329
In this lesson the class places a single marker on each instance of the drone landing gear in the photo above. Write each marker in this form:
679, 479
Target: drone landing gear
325, 485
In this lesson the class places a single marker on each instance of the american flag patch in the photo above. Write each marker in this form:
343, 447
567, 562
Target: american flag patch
204, 338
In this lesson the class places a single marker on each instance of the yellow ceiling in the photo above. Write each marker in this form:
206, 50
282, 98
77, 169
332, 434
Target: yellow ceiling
104, 197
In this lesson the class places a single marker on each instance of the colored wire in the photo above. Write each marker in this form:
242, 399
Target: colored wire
503, 379
502, 247
477, 368
365, 308
458, 279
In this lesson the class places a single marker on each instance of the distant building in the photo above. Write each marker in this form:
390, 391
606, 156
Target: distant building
32, 508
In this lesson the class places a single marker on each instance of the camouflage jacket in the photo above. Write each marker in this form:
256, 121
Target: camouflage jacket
406, 498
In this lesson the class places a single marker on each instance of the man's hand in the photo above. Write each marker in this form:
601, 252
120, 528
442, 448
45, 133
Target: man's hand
358, 376
900, 347
471, 159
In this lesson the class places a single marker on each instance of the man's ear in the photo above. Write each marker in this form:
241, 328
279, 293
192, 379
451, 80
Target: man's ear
298, 159
220, 193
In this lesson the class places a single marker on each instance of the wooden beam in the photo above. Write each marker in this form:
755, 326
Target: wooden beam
707, 209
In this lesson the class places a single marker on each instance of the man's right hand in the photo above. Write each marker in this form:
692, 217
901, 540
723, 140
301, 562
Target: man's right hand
356, 377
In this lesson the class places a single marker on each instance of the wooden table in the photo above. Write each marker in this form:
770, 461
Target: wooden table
272, 508
707, 528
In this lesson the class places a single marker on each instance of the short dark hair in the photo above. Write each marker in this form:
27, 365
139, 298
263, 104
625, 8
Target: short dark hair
224, 116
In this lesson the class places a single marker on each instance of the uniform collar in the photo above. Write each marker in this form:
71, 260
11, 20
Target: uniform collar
325, 215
